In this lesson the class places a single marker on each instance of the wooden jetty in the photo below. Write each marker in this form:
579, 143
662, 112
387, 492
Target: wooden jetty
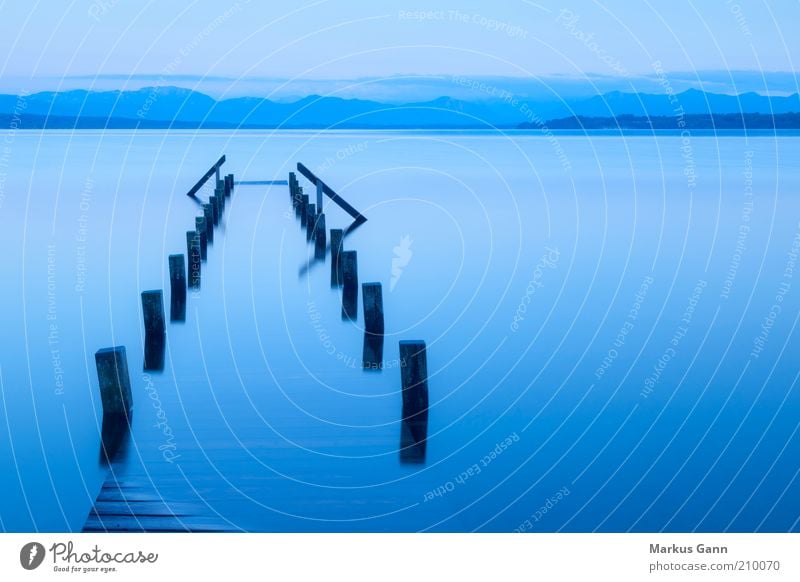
150, 494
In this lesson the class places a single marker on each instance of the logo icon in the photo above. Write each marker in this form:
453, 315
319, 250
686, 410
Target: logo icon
402, 256
32, 555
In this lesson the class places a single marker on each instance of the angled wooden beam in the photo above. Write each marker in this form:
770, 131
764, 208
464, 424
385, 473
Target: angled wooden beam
213, 171
330, 193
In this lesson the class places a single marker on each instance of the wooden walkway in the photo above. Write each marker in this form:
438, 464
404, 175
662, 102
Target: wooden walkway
135, 505
137, 496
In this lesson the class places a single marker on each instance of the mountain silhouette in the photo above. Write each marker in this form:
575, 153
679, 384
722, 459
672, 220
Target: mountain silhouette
164, 107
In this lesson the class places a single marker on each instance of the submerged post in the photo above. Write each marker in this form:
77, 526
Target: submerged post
115, 383
373, 326
414, 379
153, 312
372, 355
293, 188
303, 209
319, 237
115, 394
298, 194
219, 192
200, 227
208, 214
373, 308
212, 200
154, 329
193, 253
349, 285
311, 219
177, 288
337, 234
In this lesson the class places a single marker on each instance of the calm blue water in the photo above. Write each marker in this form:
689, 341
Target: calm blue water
610, 321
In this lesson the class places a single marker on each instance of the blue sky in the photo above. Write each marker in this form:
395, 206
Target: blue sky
284, 49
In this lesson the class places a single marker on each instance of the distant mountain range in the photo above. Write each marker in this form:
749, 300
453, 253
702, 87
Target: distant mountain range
717, 121
162, 107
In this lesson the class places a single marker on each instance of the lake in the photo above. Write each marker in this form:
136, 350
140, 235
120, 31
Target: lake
610, 325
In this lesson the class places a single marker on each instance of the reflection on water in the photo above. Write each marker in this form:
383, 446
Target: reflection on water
154, 347
114, 438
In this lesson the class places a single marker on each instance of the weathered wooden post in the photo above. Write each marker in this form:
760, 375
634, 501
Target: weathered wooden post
297, 198
115, 383
319, 237
319, 195
230, 184
212, 200
177, 287
414, 379
349, 285
154, 329
193, 254
337, 235
200, 227
293, 189
311, 219
115, 394
298, 195
303, 209
153, 312
219, 193
373, 326
373, 308
154, 347
208, 214
372, 355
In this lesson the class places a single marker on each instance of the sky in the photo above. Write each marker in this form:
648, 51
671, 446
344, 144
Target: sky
286, 49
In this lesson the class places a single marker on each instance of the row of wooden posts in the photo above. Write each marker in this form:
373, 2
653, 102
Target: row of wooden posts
112, 363
344, 274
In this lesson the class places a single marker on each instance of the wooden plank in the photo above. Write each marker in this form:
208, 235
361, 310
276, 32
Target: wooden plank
262, 183
211, 172
155, 524
330, 193
144, 507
